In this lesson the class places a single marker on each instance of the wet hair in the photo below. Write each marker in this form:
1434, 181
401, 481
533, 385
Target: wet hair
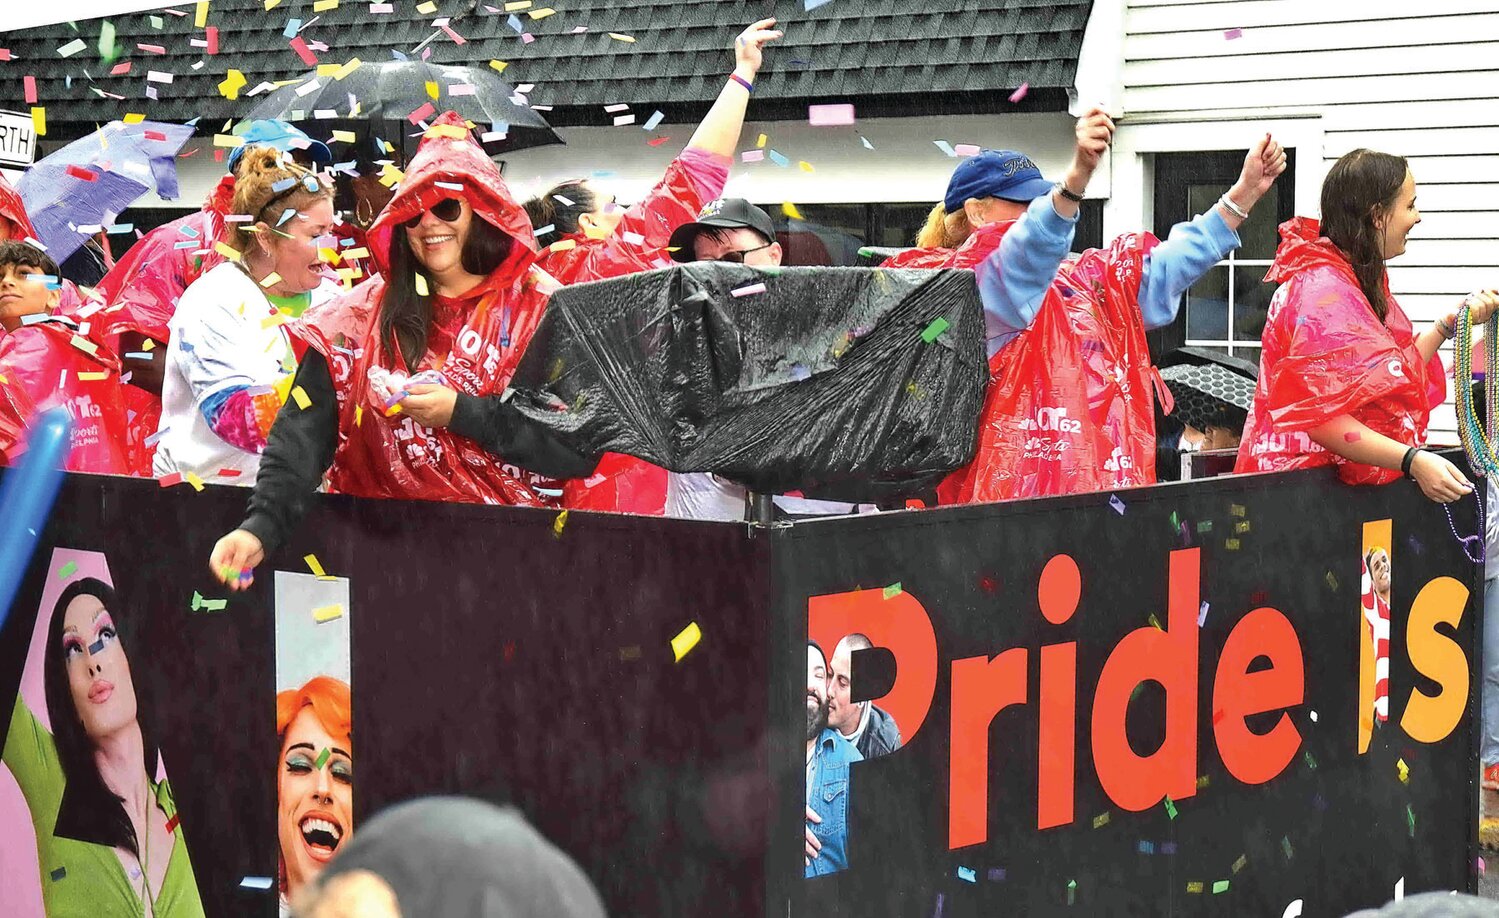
944, 230
1359, 184
405, 314
24, 255
260, 172
545, 209
90, 811
330, 702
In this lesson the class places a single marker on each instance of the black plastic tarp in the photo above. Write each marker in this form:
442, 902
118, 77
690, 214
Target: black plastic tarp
838, 382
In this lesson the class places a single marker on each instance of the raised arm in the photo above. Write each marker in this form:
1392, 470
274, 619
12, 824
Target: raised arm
719, 131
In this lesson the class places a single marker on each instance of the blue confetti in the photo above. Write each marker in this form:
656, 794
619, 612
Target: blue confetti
652, 121
1147, 847
779, 160
996, 874
256, 883
293, 26
968, 873
945, 147
1117, 504
810, 5
515, 23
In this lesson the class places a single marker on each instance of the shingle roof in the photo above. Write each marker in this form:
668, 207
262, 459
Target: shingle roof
889, 56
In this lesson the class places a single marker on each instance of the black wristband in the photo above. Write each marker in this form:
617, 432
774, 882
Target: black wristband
1405, 463
1069, 194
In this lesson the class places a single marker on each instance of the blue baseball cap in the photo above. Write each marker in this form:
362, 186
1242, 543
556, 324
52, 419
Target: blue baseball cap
1003, 174
283, 136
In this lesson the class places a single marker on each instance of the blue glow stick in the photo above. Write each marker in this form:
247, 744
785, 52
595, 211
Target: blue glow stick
26, 496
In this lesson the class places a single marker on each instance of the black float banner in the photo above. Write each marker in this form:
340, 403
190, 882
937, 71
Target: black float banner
507, 654
1077, 823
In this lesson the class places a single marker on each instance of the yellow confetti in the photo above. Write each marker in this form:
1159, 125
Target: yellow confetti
39, 120
762, 141
542, 13
558, 523
805, 166
352, 254
499, 66
686, 640
133, 118
1236, 509
323, 6
630, 39
1194, 887
193, 480
270, 322
232, 83
432, 90
421, 285
1240, 863
271, 4
328, 613
517, 5
358, 414
344, 71
92, 377
228, 140
1100, 821
1155, 623
300, 397
270, 280
344, 137
201, 19
314, 566
1404, 769
329, 256
149, 345
426, 9
791, 212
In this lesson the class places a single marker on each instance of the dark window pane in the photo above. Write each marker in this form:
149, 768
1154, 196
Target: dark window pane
1260, 233
1207, 306
896, 225
1251, 300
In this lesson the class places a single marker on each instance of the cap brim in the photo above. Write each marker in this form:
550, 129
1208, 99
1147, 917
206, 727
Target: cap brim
319, 152
684, 236
1027, 192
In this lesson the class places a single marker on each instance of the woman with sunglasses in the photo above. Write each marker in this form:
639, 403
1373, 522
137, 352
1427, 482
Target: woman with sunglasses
403, 377
230, 361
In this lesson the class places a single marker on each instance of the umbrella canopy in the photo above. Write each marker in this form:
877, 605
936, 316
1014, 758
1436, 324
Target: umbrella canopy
89, 182
413, 92
1208, 394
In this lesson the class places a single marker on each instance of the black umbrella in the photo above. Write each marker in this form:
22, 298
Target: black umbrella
401, 92
1209, 394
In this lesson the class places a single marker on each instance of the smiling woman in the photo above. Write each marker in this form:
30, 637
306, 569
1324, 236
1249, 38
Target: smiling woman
314, 779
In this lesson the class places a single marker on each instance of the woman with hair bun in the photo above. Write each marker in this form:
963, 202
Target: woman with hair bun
230, 360
1344, 378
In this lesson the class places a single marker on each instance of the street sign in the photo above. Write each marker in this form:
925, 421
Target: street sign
17, 139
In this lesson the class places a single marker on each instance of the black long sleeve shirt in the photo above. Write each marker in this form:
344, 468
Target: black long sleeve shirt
302, 442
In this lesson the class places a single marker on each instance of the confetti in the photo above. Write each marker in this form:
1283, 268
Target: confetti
1170, 808
314, 566
1202, 614
830, 115
934, 330
653, 121
39, 120
85, 345
1146, 847
752, 156
750, 290
256, 883
168, 481
1311, 762
1231, 34
685, 640
269, 281
1117, 504
1241, 527
67, 570
969, 874
1071, 891
322, 759
628, 39
28, 86
559, 523
1239, 864
421, 284
1236, 509
299, 395
1231, 544
1403, 770
1332, 581
203, 604
996, 874
1285, 845
92, 377
72, 47
1100, 820
1205, 526
1194, 887
192, 479
892, 590
327, 614
1020, 92
946, 147
173, 823
1220, 886
59, 873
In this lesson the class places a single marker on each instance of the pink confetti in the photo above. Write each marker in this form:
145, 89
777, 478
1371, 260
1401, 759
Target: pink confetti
300, 46
752, 156
29, 82
457, 39
4, 54
1351, 436
152, 49
967, 149
120, 69
830, 115
1231, 34
1019, 94
751, 290
422, 114
526, 38
461, 89
213, 39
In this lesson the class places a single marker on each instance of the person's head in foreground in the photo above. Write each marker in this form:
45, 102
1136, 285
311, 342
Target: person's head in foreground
314, 778
731, 230
452, 857
93, 706
989, 187
290, 213
817, 692
24, 286
1368, 211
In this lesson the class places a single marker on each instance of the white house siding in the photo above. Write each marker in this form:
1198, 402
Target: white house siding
1420, 80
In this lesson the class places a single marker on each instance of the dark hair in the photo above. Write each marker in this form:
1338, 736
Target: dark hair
545, 209
24, 255
723, 235
1357, 185
405, 314
1168, 457
90, 811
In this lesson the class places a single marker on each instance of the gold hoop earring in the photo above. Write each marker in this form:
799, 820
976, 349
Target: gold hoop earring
364, 212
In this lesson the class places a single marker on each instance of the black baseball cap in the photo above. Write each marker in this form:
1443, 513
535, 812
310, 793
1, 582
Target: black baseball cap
725, 213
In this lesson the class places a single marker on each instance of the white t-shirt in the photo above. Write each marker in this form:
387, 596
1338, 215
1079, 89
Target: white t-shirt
219, 340
705, 496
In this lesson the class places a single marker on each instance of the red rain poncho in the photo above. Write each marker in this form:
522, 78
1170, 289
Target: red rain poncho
1069, 404
475, 341
40, 365
143, 287
623, 483
1324, 353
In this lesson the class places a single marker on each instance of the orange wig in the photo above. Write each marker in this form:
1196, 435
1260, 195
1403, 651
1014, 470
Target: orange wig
329, 699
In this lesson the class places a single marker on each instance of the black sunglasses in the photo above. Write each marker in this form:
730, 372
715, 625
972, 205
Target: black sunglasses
737, 258
448, 210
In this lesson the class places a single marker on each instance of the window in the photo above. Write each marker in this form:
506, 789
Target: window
1225, 310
